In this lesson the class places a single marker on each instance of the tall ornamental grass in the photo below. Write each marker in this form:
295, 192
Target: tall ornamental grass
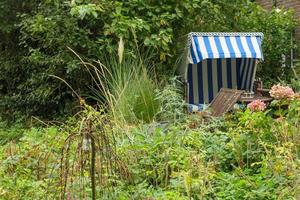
125, 88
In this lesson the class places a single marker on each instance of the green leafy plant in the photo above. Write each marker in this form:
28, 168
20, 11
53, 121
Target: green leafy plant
246, 155
172, 102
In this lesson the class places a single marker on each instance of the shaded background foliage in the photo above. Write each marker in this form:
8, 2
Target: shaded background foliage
35, 35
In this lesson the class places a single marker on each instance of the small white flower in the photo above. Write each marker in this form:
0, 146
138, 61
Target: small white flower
278, 10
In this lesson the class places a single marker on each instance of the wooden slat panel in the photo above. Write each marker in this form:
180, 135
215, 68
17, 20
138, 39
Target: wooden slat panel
225, 101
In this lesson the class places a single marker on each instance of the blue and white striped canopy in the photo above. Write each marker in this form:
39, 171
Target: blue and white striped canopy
224, 45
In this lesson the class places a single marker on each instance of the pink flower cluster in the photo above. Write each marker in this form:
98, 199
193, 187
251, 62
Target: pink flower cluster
257, 105
281, 92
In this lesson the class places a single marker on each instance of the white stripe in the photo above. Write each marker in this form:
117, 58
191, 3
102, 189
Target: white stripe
214, 47
202, 47
256, 47
195, 52
241, 70
253, 77
224, 47
205, 81
235, 47
233, 74
249, 75
215, 76
224, 73
190, 59
246, 47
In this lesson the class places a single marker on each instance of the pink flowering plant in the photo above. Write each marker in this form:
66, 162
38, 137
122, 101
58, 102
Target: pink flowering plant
284, 96
257, 105
279, 92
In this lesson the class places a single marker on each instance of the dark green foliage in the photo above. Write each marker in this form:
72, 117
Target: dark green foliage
10, 134
35, 35
44, 35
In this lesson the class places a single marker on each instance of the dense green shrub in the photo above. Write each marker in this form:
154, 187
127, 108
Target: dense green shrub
37, 33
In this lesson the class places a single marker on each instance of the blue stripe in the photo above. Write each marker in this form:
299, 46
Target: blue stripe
251, 47
200, 83
258, 40
208, 47
229, 78
190, 81
230, 48
220, 78
219, 47
243, 72
240, 46
198, 49
193, 54
238, 72
246, 63
210, 80
247, 85
247, 73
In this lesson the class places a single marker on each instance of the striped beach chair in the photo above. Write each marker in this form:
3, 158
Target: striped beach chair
219, 60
